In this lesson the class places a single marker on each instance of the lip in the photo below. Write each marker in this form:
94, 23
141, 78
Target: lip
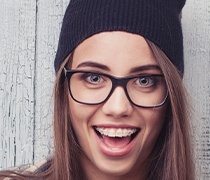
115, 152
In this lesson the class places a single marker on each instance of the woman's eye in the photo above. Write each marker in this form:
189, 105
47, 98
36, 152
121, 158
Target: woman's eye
146, 81
94, 79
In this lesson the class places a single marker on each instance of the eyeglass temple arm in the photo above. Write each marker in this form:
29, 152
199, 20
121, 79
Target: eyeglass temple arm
65, 71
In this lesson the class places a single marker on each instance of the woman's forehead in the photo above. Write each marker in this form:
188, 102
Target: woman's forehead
119, 50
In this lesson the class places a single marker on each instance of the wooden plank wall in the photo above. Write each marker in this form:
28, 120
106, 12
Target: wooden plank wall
17, 78
196, 27
29, 31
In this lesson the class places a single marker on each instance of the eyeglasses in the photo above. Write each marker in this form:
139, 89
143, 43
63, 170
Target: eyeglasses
92, 88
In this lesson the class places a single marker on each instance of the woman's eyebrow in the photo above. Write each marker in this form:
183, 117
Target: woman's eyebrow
145, 67
93, 64
133, 70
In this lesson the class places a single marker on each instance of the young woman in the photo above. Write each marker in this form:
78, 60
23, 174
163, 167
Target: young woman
120, 105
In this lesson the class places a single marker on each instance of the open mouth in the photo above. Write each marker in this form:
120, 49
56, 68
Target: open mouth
116, 137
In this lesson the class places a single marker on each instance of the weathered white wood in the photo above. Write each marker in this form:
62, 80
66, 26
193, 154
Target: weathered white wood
17, 52
196, 27
29, 36
49, 19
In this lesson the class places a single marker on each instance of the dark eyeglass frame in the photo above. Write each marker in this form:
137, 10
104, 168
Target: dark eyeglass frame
116, 81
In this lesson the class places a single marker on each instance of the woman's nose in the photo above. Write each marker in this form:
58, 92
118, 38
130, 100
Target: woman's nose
118, 105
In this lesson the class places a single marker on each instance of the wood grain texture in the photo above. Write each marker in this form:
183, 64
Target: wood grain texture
17, 52
49, 19
196, 28
29, 31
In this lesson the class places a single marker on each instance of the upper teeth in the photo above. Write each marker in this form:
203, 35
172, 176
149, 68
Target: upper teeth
113, 132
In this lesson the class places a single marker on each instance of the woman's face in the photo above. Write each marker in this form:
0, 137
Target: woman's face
97, 127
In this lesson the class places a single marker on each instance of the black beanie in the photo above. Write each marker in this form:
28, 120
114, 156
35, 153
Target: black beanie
156, 20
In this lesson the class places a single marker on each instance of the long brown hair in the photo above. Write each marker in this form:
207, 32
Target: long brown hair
171, 157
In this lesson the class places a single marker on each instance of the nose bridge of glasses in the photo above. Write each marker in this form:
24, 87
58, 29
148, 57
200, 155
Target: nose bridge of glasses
122, 82
119, 82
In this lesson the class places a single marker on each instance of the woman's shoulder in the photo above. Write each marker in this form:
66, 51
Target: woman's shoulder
28, 170
38, 168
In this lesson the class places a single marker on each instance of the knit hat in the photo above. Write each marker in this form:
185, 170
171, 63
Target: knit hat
155, 20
